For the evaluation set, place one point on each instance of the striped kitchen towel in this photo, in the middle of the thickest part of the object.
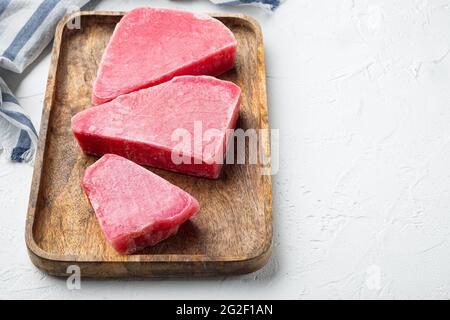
(17, 132)
(268, 4)
(26, 28)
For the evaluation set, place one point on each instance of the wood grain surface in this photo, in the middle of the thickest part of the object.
(233, 231)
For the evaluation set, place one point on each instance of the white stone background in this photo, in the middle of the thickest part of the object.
(360, 91)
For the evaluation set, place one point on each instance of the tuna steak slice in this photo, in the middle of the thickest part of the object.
(180, 125)
(150, 46)
(135, 208)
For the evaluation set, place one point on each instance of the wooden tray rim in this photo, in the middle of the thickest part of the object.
(41, 258)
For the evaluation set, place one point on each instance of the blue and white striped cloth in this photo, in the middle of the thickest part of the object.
(26, 28)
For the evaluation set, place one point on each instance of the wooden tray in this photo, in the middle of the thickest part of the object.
(232, 234)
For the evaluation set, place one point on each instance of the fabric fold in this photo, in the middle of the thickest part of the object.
(26, 28)
(17, 133)
(266, 4)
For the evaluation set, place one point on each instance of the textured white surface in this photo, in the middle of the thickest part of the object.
(360, 91)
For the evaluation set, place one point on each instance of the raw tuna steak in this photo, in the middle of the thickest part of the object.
(179, 125)
(150, 46)
(135, 207)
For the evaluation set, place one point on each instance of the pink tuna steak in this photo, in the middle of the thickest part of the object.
(150, 46)
(181, 125)
(135, 207)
